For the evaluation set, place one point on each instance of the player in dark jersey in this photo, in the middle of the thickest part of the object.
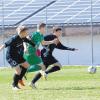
(14, 54)
(46, 53)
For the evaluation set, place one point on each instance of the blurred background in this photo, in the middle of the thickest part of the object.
(79, 20)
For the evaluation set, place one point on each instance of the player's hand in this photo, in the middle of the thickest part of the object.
(1, 47)
(56, 41)
(74, 49)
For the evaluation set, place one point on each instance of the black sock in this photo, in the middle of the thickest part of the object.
(23, 71)
(53, 69)
(36, 78)
(15, 80)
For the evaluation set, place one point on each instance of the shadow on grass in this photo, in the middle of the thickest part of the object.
(73, 88)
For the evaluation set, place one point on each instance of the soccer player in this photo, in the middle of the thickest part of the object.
(14, 54)
(46, 53)
(31, 57)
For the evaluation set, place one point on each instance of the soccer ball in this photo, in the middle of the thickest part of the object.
(92, 69)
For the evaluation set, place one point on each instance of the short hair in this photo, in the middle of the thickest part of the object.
(41, 25)
(55, 29)
(21, 29)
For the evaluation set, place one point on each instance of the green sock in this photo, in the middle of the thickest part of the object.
(34, 68)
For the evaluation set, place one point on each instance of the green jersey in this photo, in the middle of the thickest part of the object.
(36, 38)
(31, 56)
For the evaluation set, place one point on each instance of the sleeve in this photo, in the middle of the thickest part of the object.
(29, 41)
(49, 37)
(9, 42)
(62, 47)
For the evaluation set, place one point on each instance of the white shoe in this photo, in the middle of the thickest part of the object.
(32, 85)
(16, 88)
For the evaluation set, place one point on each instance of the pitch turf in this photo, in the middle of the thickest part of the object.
(71, 83)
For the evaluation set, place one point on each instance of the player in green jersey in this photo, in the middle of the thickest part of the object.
(30, 52)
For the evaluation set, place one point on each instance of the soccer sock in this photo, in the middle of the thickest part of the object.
(23, 71)
(53, 69)
(15, 80)
(36, 78)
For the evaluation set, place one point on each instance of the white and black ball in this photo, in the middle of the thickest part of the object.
(92, 69)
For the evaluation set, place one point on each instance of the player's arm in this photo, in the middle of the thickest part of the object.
(28, 40)
(62, 47)
(49, 42)
(46, 42)
(6, 44)
(11, 41)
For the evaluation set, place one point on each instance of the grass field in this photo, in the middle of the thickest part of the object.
(71, 83)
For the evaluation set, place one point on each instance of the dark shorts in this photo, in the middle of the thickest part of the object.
(15, 60)
(49, 60)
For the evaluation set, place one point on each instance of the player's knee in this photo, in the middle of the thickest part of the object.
(59, 65)
(17, 70)
(42, 66)
(25, 65)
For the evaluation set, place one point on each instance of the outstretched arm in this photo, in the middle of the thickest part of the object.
(62, 47)
(49, 42)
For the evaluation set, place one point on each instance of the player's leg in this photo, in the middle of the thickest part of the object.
(42, 71)
(34, 60)
(23, 67)
(56, 67)
(33, 68)
(47, 61)
(23, 71)
(52, 61)
(16, 78)
(36, 78)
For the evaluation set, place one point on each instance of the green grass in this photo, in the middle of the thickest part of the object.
(71, 83)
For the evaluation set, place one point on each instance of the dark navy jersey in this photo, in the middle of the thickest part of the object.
(48, 49)
(15, 45)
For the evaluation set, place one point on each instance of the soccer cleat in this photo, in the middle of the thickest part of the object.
(32, 85)
(15, 88)
(21, 82)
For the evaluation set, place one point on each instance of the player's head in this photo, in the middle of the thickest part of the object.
(22, 31)
(57, 31)
(42, 28)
